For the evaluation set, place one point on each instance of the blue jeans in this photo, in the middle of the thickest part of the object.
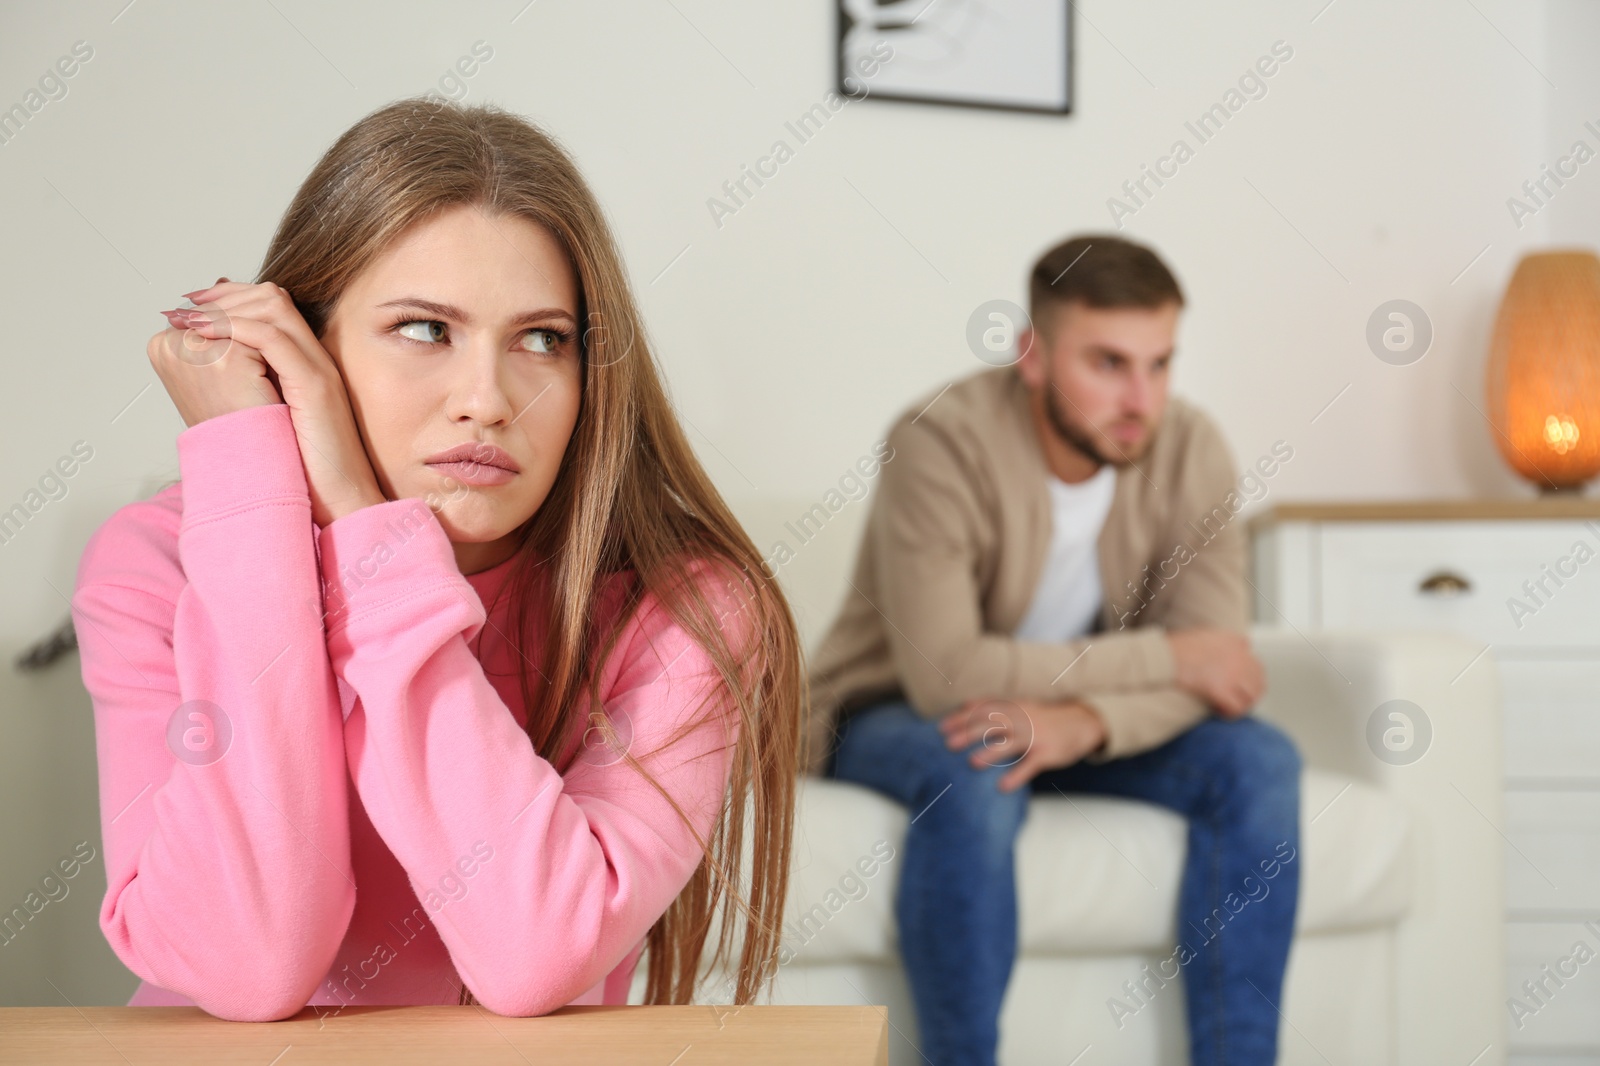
(1237, 782)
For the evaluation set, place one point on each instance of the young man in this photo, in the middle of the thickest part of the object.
(1050, 594)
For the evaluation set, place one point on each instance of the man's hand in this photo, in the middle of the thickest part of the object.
(1217, 666)
(1027, 735)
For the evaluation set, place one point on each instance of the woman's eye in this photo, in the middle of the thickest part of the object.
(427, 326)
(427, 331)
(545, 339)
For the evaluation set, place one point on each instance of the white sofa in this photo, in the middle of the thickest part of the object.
(1398, 958)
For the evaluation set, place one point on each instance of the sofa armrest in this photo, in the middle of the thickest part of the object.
(1323, 687)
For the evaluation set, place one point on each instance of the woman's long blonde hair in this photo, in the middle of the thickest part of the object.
(630, 502)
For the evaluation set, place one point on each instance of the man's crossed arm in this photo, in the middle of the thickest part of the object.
(1212, 666)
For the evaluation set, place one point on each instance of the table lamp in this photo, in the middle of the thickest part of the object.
(1543, 379)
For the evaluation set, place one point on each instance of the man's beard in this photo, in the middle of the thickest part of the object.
(1077, 437)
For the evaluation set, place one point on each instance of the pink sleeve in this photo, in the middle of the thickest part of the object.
(221, 759)
(540, 885)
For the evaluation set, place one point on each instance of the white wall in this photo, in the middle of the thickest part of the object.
(1376, 167)
(1573, 32)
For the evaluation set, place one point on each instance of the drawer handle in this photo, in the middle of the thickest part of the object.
(1444, 583)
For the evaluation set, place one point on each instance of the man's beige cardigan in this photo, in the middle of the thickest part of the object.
(955, 542)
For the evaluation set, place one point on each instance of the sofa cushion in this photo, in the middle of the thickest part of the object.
(1095, 874)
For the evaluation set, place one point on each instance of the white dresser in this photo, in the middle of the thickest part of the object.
(1522, 578)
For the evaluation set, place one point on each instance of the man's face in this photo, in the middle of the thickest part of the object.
(1102, 373)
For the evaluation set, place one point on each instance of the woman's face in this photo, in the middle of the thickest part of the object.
(464, 333)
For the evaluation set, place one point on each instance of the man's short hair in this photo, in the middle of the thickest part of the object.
(1101, 271)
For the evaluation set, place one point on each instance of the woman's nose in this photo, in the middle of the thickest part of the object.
(478, 391)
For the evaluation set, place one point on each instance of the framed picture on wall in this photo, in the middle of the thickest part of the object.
(1013, 54)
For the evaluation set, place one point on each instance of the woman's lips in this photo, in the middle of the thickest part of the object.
(469, 473)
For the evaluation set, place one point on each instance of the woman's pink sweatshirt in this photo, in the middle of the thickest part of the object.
(315, 786)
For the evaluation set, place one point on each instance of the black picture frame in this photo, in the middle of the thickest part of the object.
(844, 23)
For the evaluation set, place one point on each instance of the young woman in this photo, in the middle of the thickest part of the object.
(443, 674)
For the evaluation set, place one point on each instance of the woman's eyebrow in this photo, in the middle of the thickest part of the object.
(455, 314)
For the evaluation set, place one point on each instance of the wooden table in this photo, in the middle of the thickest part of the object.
(649, 1035)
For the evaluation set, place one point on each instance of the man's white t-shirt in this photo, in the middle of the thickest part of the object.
(1067, 599)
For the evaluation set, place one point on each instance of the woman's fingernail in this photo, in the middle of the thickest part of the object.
(208, 288)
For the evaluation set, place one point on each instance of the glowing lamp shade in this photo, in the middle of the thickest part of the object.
(1543, 378)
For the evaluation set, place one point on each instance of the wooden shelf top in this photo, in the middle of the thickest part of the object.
(581, 1036)
(1427, 510)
